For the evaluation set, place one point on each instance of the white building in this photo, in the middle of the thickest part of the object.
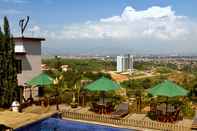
(124, 63)
(28, 55)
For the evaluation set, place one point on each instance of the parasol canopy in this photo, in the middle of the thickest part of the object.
(168, 89)
(103, 84)
(41, 80)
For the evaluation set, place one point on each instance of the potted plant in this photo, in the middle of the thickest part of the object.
(74, 104)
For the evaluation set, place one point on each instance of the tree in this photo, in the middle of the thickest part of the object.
(72, 80)
(8, 72)
(146, 83)
(135, 88)
(94, 76)
(58, 63)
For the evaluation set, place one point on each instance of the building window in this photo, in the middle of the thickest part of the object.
(19, 66)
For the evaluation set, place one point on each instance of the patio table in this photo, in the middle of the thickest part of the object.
(102, 107)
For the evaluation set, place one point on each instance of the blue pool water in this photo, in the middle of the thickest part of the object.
(55, 124)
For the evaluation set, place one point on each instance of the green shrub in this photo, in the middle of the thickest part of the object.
(151, 115)
(163, 70)
(187, 111)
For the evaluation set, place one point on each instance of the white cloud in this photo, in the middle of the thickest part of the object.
(130, 14)
(35, 29)
(31, 31)
(155, 22)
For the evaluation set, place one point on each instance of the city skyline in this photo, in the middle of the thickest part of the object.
(107, 27)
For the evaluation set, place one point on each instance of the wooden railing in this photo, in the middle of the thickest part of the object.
(125, 122)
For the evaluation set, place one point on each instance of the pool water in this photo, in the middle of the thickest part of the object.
(55, 124)
(64, 125)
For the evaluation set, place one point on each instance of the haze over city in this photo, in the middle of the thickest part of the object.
(100, 27)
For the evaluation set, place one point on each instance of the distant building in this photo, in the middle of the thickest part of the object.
(44, 67)
(28, 55)
(124, 63)
(64, 68)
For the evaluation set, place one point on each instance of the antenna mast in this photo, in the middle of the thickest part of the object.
(23, 24)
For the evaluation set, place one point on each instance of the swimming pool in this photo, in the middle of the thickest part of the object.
(55, 124)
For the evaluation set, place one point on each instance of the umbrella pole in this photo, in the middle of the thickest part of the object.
(166, 105)
(30, 92)
(57, 103)
(103, 103)
(103, 96)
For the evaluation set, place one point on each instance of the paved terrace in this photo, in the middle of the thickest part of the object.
(85, 110)
(15, 120)
(34, 113)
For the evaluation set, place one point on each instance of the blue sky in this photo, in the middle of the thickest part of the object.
(89, 26)
(74, 11)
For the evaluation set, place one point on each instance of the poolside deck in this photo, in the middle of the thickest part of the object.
(85, 110)
(15, 120)
(40, 110)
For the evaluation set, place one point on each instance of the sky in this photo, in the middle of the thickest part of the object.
(106, 27)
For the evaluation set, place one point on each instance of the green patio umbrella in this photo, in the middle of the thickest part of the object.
(104, 85)
(41, 80)
(169, 89)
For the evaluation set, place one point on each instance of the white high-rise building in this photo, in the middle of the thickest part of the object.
(124, 63)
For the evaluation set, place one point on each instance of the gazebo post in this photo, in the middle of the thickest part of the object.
(57, 103)
(103, 96)
(30, 95)
(56, 82)
(167, 105)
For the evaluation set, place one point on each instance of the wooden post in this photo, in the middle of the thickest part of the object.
(57, 103)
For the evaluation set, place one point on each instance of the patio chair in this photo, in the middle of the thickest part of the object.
(52, 100)
(95, 107)
(122, 111)
(168, 117)
(159, 115)
(153, 107)
(109, 107)
(176, 114)
(102, 109)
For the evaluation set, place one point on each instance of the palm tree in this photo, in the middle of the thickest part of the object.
(137, 90)
(72, 79)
